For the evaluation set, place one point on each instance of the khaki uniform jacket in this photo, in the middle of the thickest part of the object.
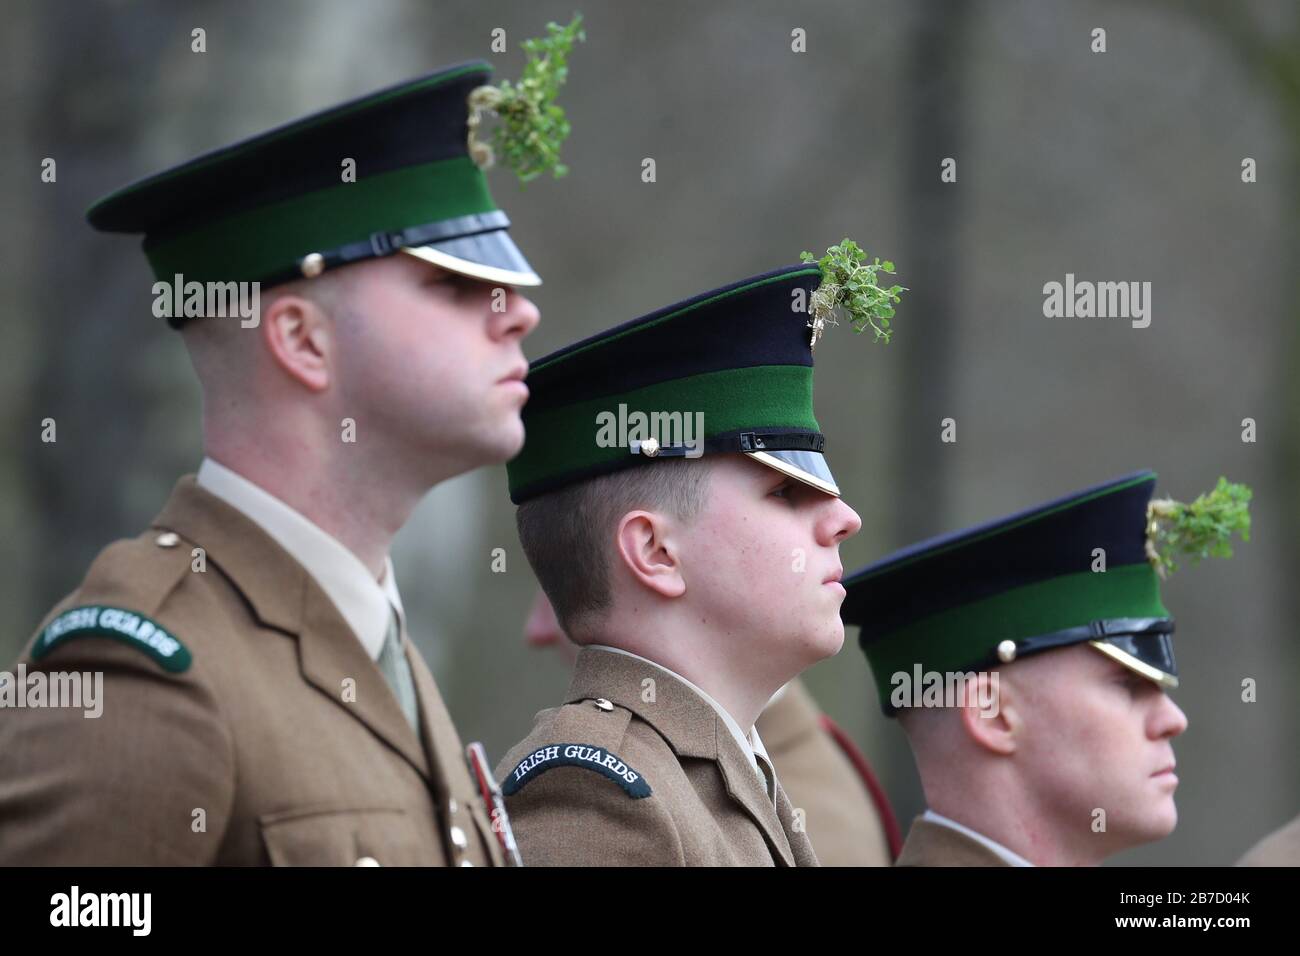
(933, 844)
(281, 743)
(844, 823)
(610, 778)
(1279, 848)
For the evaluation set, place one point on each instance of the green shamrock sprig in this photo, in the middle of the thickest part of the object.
(1202, 529)
(849, 283)
(532, 125)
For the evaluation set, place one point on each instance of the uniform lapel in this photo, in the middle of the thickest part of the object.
(441, 742)
(285, 597)
(330, 654)
(687, 722)
(743, 786)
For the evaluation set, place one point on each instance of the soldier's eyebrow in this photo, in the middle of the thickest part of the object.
(460, 281)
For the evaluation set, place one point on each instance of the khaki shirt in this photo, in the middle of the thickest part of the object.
(634, 773)
(280, 743)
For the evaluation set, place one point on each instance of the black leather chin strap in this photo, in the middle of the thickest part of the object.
(746, 442)
(386, 243)
(1095, 631)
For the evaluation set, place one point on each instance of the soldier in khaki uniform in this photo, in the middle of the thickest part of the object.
(849, 818)
(697, 567)
(1028, 661)
(262, 702)
(680, 787)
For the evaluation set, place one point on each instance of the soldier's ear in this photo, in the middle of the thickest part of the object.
(990, 714)
(644, 545)
(299, 337)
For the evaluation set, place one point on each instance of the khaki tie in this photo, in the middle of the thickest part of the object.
(397, 671)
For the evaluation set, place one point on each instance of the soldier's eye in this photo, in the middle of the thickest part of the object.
(1133, 683)
(783, 490)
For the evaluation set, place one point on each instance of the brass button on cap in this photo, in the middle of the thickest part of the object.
(603, 704)
(168, 539)
(312, 265)
(366, 861)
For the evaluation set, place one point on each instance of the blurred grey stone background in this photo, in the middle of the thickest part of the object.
(1123, 165)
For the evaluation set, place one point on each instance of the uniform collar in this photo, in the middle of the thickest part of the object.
(750, 744)
(283, 596)
(1012, 858)
(366, 604)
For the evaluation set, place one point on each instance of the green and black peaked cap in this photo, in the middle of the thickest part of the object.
(739, 355)
(1020, 585)
(275, 207)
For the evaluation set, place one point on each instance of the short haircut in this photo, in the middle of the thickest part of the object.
(209, 340)
(568, 538)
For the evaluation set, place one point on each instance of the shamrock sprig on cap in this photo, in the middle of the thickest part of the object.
(849, 283)
(1201, 529)
(532, 125)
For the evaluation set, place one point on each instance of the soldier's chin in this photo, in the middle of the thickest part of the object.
(828, 639)
(1169, 819)
(509, 440)
(1159, 823)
